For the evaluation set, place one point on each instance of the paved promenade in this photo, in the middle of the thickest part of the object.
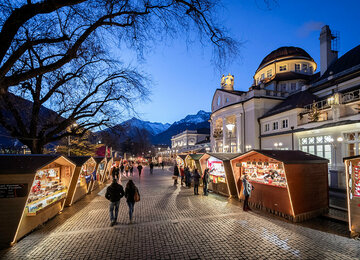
(172, 223)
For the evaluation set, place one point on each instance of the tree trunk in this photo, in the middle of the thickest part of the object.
(35, 146)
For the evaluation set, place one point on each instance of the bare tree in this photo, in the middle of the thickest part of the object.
(54, 53)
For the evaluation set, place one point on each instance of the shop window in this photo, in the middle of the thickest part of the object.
(267, 127)
(319, 145)
(217, 171)
(285, 123)
(269, 73)
(297, 67)
(282, 68)
(275, 125)
(271, 173)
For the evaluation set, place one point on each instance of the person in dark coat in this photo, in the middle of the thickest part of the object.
(176, 174)
(151, 167)
(182, 175)
(131, 169)
(162, 165)
(122, 167)
(247, 188)
(139, 169)
(130, 197)
(187, 177)
(115, 172)
(205, 179)
(196, 177)
(114, 193)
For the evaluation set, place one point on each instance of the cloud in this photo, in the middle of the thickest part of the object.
(309, 27)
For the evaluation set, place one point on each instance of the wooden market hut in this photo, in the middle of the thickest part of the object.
(352, 168)
(79, 187)
(33, 189)
(292, 184)
(99, 171)
(107, 174)
(180, 160)
(221, 176)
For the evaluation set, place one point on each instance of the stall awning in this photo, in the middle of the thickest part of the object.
(22, 164)
(224, 156)
(182, 156)
(99, 159)
(196, 156)
(289, 156)
(79, 160)
(351, 157)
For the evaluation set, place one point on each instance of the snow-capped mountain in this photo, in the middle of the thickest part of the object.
(200, 117)
(153, 128)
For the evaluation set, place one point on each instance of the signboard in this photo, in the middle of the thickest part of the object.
(13, 190)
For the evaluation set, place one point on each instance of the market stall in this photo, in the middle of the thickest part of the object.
(352, 167)
(180, 161)
(192, 161)
(79, 187)
(221, 177)
(292, 184)
(99, 172)
(33, 189)
(107, 174)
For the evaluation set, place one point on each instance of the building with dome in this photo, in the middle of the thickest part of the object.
(291, 106)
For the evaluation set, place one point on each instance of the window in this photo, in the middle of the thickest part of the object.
(275, 125)
(293, 86)
(311, 69)
(352, 141)
(282, 68)
(297, 67)
(283, 87)
(267, 127)
(305, 67)
(218, 100)
(285, 123)
(319, 145)
(226, 100)
(262, 76)
(269, 73)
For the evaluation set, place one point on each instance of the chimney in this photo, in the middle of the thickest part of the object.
(327, 54)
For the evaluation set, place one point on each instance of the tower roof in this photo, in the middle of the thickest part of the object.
(284, 52)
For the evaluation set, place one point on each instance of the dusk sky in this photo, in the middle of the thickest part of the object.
(185, 80)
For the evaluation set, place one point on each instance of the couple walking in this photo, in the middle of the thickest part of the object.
(115, 192)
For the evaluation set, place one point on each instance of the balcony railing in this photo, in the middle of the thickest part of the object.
(351, 96)
(319, 105)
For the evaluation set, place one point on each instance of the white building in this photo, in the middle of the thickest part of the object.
(290, 107)
(190, 140)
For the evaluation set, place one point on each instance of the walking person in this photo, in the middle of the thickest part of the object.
(122, 168)
(162, 165)
(114, 193)
(115, 172)
(247, 191)
(176, 174)
(132, 195)
(196, 177)
(187, 177)
(182, 175)
(127, 168)
(151, 167)
(139, 169)
(131, 169)
(205, 179)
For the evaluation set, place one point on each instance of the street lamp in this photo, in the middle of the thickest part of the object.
(230, 127)
(278, 145)
(248, 147)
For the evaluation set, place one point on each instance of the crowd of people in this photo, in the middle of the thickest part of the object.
(187, 177)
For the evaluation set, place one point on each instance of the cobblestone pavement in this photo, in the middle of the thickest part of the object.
(172, 223)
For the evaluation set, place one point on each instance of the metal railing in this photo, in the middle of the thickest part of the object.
(322, 104)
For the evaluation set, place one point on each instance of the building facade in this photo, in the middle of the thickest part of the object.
(190, 140)
(290, 107)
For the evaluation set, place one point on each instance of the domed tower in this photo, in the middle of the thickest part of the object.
(285, 69)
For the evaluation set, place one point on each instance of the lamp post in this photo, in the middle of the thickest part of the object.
(292, 138)
(230, 127)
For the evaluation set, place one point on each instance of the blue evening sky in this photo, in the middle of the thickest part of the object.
(185, 80)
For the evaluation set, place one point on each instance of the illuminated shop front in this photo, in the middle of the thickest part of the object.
(98, 173)
(85, 167)
(221, 176)
(352, 168)
(106, 175)
(33, 190)
(192, 161)
(292, 184)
